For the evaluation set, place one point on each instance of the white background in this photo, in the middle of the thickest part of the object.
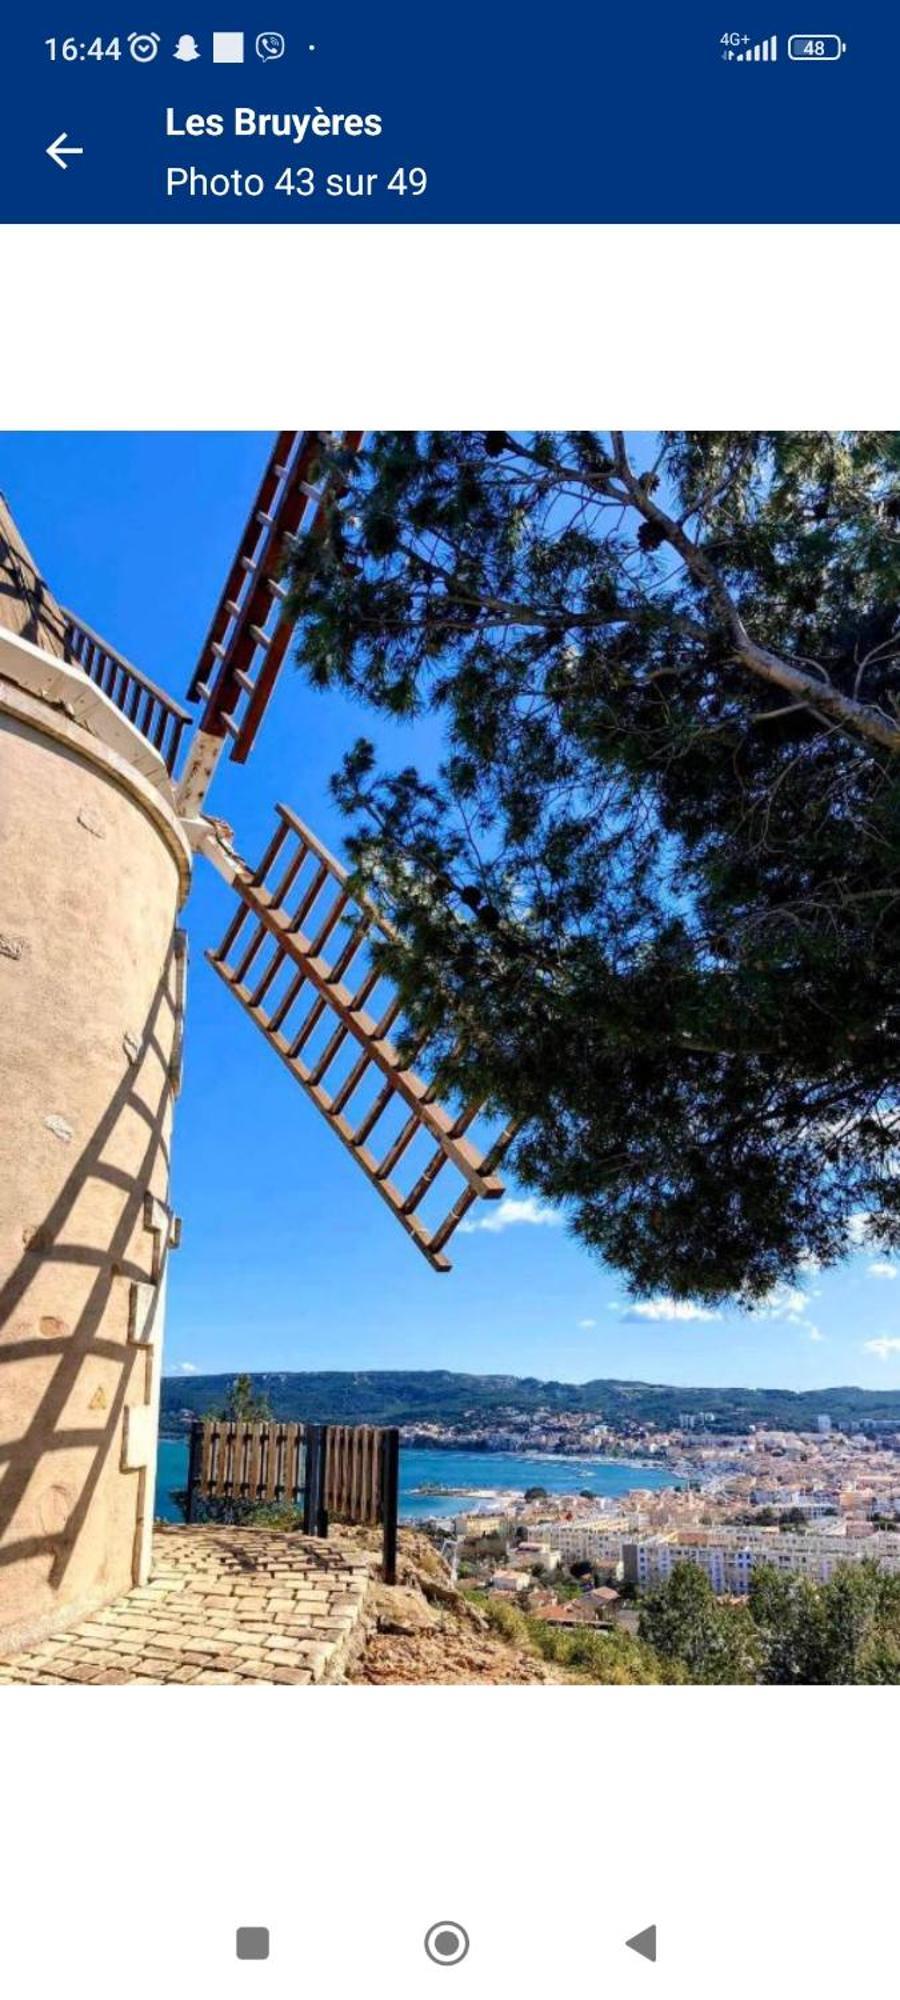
(256, 326)
(753, 1827)
(139, 1826)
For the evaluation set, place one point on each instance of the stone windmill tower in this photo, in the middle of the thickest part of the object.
(99, 829)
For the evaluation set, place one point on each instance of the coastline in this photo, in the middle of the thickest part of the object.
(487, 1482)
(591, 1458)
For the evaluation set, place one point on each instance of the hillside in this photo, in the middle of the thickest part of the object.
(408, 1397)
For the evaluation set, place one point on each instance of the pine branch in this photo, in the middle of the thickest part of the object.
(857, 718)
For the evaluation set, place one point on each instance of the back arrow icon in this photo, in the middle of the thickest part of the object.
(58, 148)
(644, 1943)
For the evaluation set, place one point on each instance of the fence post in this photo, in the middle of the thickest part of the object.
(322, 1483)
(310, 1476)
(315, 1519)
(193, 1467)
(390, 1477)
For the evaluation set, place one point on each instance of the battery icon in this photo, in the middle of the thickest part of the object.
(816, 48)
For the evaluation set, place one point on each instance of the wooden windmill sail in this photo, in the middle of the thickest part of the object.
(298, 952)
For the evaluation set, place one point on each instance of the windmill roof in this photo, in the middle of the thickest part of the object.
(27, 604)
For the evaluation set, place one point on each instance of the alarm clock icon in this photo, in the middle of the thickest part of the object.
(143, 48)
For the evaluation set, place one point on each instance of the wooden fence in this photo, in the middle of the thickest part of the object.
(333, 1472)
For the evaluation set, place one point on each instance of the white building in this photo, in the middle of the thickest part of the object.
(589, 1540)
(729, 1557)
(510, 1582)
(534, 1554)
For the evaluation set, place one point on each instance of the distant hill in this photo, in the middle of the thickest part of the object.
(388, 1396)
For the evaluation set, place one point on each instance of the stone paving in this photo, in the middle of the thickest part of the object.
(224, 1606)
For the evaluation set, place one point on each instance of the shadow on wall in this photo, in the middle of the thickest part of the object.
(44, 1432)
(27, 607)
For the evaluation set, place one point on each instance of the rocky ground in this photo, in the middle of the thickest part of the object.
(423, 1631)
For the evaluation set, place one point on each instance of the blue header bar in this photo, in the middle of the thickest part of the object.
(476, 113)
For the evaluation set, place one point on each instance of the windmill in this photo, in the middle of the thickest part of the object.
(105, 787)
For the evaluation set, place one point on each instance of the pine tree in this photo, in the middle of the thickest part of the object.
(648, 892)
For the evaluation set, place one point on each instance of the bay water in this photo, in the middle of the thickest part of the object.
(478, 1479)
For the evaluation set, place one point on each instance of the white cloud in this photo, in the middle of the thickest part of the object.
(783, 1302)
(668, 1309)
(184, 1368)
(509, 1212)
(587, 1322)
(789, 1305)
(858, 1227)
(882, 1269)
(883, 1347)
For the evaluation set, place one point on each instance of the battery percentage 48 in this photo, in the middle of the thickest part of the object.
(816, 48)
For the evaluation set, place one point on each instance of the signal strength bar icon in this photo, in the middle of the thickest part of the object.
(766, 51)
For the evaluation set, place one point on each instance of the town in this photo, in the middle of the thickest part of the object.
(800, 1502)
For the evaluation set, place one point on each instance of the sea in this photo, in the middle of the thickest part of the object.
(486, 1477)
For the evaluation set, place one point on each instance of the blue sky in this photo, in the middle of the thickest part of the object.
(289, 1260)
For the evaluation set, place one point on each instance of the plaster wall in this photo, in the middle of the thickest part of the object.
(92, 870)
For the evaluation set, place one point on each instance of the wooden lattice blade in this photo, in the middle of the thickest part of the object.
(251, 627)
(300, 956)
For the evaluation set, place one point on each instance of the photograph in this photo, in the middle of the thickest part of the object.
(450, 1058)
